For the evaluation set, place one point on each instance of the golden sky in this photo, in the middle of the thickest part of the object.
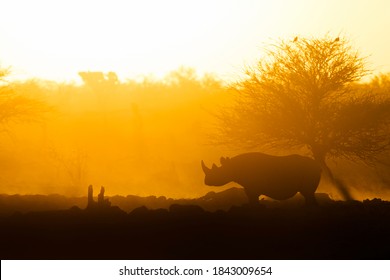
(54, 39)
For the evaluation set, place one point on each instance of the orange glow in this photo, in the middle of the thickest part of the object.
(133, 138)
(146, 132)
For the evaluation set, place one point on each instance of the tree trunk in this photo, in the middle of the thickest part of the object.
(341, 187)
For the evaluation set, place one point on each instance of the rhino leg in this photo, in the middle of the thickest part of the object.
(310, 199)
(252, 197)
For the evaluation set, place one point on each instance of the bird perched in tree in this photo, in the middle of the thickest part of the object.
(295, 39)
(337, 39)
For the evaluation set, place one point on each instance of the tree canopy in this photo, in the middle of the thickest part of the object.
(305, 94)
(15, 107)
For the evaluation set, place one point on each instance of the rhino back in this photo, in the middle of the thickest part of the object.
(278, 177)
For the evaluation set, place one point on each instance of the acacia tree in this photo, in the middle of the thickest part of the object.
(304, 95)
(16, 107)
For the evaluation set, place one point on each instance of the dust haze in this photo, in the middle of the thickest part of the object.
(143, 137)
(134, 137)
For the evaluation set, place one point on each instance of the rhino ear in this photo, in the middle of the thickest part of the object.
(224, 160)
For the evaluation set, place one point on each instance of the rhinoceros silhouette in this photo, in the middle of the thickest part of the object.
(278, 177)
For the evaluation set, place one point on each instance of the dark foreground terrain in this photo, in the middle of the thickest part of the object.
(334, 230)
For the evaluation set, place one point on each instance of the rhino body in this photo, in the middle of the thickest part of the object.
(278, 177)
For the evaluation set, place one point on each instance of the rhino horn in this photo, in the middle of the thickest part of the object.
(205, 168)
(214, 167)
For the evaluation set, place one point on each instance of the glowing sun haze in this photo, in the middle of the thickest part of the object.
(56, 39)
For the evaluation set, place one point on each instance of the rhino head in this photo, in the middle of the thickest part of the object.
(217, 176)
